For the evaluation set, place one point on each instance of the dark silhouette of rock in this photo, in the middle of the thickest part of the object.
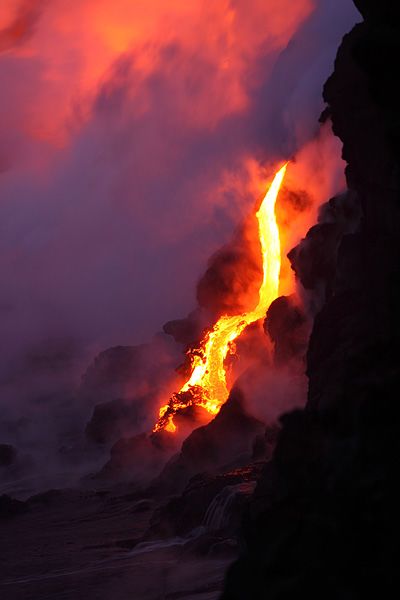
(187, 331)
(193, 508)
(111, 372)
(314, 259)
(139, 458)
(227, 441)
(229, 435)
(10, 507)
(8, 455)
(49, 497)
(323, 520)
(112, 420)
(382, 11)
(127, 372)
(264, 445)
(125, 384)
(232, 280)
(288, 328)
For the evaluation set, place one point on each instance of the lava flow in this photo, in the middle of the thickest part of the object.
(207, 385)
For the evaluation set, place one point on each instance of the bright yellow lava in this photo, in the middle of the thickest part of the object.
(207, 384)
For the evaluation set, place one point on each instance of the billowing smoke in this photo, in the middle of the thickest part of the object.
(135, 138)
(21, 25)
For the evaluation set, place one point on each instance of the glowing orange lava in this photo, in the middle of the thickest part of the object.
(207, 385)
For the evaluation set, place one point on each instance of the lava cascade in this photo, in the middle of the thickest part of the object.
(207, 386)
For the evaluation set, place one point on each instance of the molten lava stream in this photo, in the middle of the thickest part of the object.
(207, 385)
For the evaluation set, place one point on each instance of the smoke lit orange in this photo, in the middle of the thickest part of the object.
(207, 385)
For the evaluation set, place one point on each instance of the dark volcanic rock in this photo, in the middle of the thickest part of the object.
(10, 507)
(232, 280)
(124, 385)
(264, 445)
(129, 372)
(228, 436)
(194, 508)
(384, 10)
(322, 512)
(323, 520)
(288, 328)
(139, 458)
(111, 420)
(112, 371)
(187, 331)
(314, 259)
(227, 440)
(8, 455)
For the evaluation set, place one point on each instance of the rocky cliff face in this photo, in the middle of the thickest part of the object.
(322, 519)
